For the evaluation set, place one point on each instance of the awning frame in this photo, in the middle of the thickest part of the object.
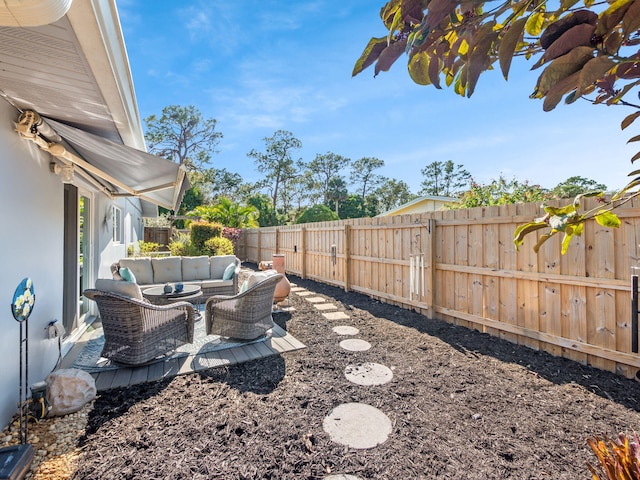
(31, 126)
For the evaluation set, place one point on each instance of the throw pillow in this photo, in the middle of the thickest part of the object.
(244, 286)
(229, 271)
(127, 275)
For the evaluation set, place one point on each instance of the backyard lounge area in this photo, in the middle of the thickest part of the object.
(462, 404)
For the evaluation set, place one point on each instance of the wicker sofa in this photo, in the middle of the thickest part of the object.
(206, 272)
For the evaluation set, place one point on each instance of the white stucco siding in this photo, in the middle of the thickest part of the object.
(31, 245)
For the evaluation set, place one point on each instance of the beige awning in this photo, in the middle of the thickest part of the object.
(123, 170)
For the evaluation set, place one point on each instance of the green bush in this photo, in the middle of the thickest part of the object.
(148, 247)
(317, 213)
(203, 231)
(144, 248)
(218, 246)
(179, 249)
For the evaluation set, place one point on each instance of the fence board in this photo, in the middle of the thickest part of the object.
(576, 305)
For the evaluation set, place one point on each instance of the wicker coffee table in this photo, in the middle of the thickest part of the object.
(157, 296)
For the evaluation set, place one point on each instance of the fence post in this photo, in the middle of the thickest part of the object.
(634, 313)
(430, 268)
(347, 256)
(259, 245)
(276, 242)
(303, 252)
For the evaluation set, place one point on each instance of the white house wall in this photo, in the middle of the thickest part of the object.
(32, 246)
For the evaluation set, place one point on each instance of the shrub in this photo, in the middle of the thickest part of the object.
(148, 247)
(144, 248)
(218, 246)
(203, 231)
(317, 213)
(232, 234)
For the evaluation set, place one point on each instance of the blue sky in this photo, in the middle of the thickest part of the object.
(257, 67)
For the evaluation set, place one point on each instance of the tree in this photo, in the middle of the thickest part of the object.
(573, 186)
(277, 162)
(363, 176)
(392, 193)
(267, 216)
(182, 135)
(589, 53)
(228, 213)
(337, 192)
(317, 213)
(325, 168)
(500, 191)
(444, 179)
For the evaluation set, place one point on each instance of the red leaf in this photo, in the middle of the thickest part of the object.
(389, 55)
(509, 43)
(438, 10)
(576, 36)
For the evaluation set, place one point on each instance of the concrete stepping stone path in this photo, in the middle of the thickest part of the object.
(304, 293)
(345, 330)
(357, 425)
(355, 345)
(325, 306)
(316, 299)
(368, 374)
(335, 316)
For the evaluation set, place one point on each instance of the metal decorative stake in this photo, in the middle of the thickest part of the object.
(21, 307)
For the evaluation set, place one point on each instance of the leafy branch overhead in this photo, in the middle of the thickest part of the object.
(586, 50)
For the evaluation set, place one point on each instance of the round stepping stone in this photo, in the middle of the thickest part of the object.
(355, 345)
(368, 374)
(341, 476)
(357, 425)
(346, 330)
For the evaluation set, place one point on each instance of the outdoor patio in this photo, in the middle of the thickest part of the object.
(461, 404)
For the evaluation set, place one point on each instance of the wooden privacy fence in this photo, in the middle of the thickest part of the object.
(461, 266)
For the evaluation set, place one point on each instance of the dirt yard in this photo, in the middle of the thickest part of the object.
(463, 405)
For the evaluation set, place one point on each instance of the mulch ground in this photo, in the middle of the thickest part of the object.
(463, 404)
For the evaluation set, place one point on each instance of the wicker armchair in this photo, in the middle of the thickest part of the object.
(246, 315)
(136, 331)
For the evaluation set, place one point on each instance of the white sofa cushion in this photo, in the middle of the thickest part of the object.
(258, 277)
(128, 289)
(218, 265)
(167, 269)
(195, 268)
(215, 283)
(140, 267)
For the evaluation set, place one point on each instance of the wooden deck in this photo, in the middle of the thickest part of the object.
(280, 342)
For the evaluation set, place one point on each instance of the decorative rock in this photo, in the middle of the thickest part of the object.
(345, 330)
(357, 425)
(368, 374)
(355, 345)
(68, 390)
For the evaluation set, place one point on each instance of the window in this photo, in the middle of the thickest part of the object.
(116, 217)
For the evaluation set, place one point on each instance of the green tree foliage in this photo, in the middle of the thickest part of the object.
(392, 193)
(587, 52)
(355, 207)
(337, 192)
(574, 186)
(444, 179)
(324, 169)
(277, 163)
(182, 134)
(227, 213)
(267, 215)
(317, 213)
(363, 175)
(500, 191)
